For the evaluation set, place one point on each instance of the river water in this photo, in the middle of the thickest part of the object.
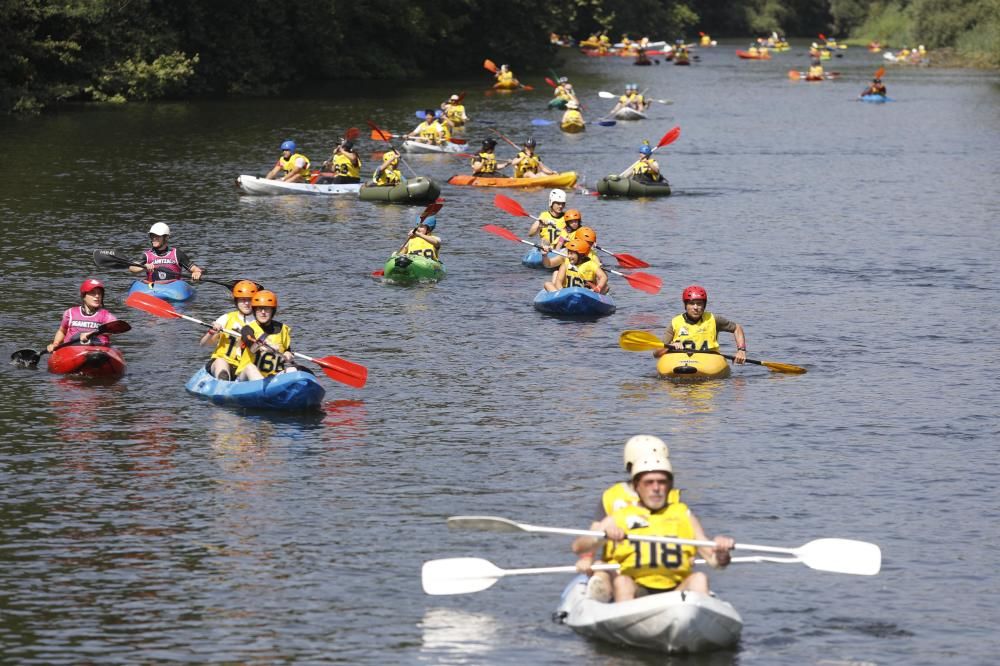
(140, 524)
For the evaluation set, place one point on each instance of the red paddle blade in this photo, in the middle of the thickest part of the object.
(343, 371)
(822, 36)
(500, 231)
(116, 326)
(432, 209)
(879, 72)
(152, 305)
(551, 82)
(352, 133)
(379, 273)
(526, 87)
(489, 64)
(460, 142)
(669, 137)
(507, 204)
(645, 282)
(629, 261)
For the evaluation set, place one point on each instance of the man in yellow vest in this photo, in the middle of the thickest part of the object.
(698, 330)
(294, 164)
(652, 568)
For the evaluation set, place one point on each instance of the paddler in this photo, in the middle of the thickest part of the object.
(572, 116)
(455, 111)
(294, 164)
(443, 125)
(574, 229)
(485, 162)
(652, 568)
(345, 163)
(618, 496)
(527, 164)
(388, 172)
(815, 72)
(79, 322)
(427, 131)
(268, 341)
(646, 169)
(162, 262)
(228, 349)
(698, 330)
(564, 90)
(505, 78)
(579, 271)
(421, 239)
(876, 88)
(551, 222)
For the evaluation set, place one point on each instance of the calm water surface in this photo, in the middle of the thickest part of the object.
(140, 524)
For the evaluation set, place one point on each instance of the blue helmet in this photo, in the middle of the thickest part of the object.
(646, 150)
(288, 145)
(430, 221)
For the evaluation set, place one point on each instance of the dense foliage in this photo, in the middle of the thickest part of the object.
(119, 50)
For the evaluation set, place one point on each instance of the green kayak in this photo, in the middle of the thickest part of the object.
(557, 103)
(614, 186)
(411, 268)
(417, 190)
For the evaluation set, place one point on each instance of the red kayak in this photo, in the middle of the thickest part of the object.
(90, 360)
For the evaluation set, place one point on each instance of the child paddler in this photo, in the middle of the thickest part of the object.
(267, 341)
(428, 131)
(79, 322)
(579, 271)
(421, 240)
(388, 172)
(229, 348)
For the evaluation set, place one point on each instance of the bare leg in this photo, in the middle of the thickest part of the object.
(624, 587)
(251, 373)
(696, 582)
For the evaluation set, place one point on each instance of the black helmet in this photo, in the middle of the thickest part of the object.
(348, 145)
(530, 143)
(877, 81)
(489, 143)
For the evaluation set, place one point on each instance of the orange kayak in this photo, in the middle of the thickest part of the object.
(564, 179)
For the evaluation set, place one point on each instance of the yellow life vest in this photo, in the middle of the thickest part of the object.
(229, 347)
(643, 169)
(505, 77)
(288, 165)
(552, 228)
(343, 166)
(636, 99)
(389, 176)
(488, 164)
(455, 113)
(266, 360)
(525, 164)
(418, 245)
(700, 336)
(562, 93)
(816, 71)
(583, 274)
(428, 131)
(658, 566)
(622, 495)
(443, 132)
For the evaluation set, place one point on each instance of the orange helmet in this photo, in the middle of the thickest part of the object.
(244, 289)
(579, 246)
(264, 299)
(587, 234)
(572, 214)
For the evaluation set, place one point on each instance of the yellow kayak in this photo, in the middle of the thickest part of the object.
(572, 128)
(687, 367)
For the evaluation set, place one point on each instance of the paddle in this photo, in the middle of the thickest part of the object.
(511, 206)
(879, 73)
(541, 122)
(334, 367)
(641, 281)
(846, 556)
(462, 575)
(29, 358)
(610, 95)
(667, 139)
(432, 209)
(644, 341)
(381, 135)
(491, 66)
(113, 259)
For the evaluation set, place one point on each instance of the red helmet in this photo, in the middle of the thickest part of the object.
(694, 292)
(90, 285)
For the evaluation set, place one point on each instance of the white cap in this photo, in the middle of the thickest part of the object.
(160, 229)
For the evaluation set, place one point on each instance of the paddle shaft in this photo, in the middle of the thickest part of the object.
(125, 262)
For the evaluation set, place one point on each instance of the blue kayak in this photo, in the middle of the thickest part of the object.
(534, 258)
(287, 391)
(171, 290)
(875, 99)
(574, 302)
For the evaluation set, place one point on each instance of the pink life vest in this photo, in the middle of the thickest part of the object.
(75, 322)
(167, 262)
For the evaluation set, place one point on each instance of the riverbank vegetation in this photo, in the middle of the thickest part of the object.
(113, 51)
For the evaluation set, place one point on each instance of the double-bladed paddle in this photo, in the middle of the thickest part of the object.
(846, 556)
(645, 341)
(610, 95)
(491, 66)
(115, 259)
(672, 135)
(29, 358)
(541, 122)
(379, 134)
(511, 206)
(334, 367)
(641, 281)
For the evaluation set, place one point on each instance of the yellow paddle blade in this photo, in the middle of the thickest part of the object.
(639, 341)
(783, 367)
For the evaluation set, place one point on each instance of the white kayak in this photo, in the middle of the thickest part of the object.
(411, 146)
(666, 622)
(658, 46)
(628, 113)
(257, 185)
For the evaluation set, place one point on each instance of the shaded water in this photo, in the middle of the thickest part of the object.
(141, 524)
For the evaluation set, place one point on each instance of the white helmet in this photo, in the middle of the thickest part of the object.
(641, 447)
(160, 229)
(656, 462)
(557, 196)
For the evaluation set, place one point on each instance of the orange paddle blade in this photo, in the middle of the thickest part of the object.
(527, 87)
(879, 72)
(152, 305)
(489, 64)
(551, 82)
(500, 231)
(507, 204)
(792, 74)
(380, 135)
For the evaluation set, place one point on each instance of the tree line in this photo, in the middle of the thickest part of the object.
(113, 51)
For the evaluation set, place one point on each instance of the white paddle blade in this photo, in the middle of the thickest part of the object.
(486, 523)
(458, 575)
(848, 556)
(606, 95)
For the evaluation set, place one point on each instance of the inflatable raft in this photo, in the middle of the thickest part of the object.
(574, 302)
(615, 186)
(689, 367)
(411, 268)
(417, 190)
(176, 291)
(89, 360)
(287, 391)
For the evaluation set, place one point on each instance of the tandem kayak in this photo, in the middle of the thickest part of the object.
(263, 186)
(564, 179)
(534, 258)
(616, 186)
(176, 291)
(288, 391)
(411, 146)
(689, 367)
(411, 268)
(667, 622)
(628, 113)
(875, 99)
(90, 360)
(417, 190)
(574, 302)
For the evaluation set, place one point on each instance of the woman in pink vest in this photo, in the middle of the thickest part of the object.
(80, 322)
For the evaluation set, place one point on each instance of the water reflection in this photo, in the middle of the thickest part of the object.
(457, 637)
